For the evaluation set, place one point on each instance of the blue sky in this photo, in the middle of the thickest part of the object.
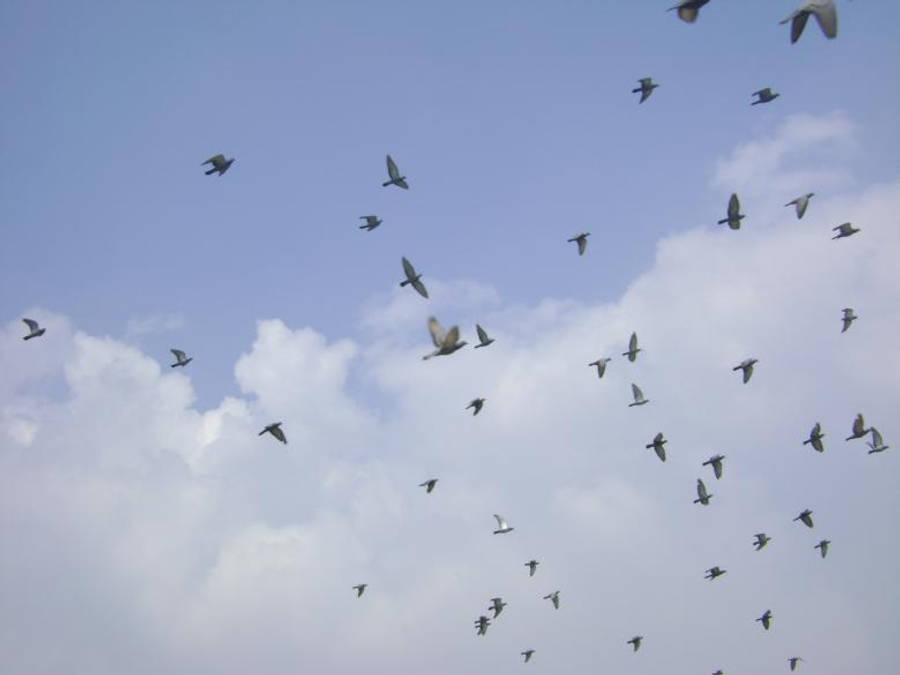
(516, 127)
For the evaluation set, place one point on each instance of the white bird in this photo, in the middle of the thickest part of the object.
(483, 339)
(497, 606)
(554, 598)
(733, 215)
(446, 342)
(800, 204)
(747, 366)
(360, 589)
(658, 446)
(646, 88)
(429, 485)
(638, 396)
(716, 463)
(703, 496)
(601, 365)
(849, 317)
(413, 279)
(34, 330)
(636, 642)
(825, 13)
(823, 547)
(581, 240)
(371, 222)
(502, 526)
(219, 164)
(688, 10)
(844, 230)
(633, 348)
(394, 175)
(761, 540)
(180, 358)
(815, 438)
(877, 442)
(275, 430)
(859, 428)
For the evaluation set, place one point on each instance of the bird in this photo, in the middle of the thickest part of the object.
(815, 438)
(554, 598)
(446, 342)
(532, 567)
(275, 430)
(483, 339)
(636, 642)
(800, 204)
(360, 589)
(703, 496)
(482, 622)
(765, 95)
(688, 10)
(413, 279)
(497, 606)
(646, 88)
(844, 230)
(658, 446)
(502, 526)
(859, 428)
(877, 442)
(527, 654)
(823, 547)
(849, 317)
(429, 485)
(719, 672)
(476, 403)
(180, 358)
(581, 240)
(716, 463)
(747, 366)
(714, 572)
(394, 175)
(633, 348)
(371, 222)
(825, 13)
(766, 619)
(761, 540)
(805, 517)
(34, 330)
(734, 215)
(219, 164)
(793, 661)
(601, 365)
(638, 396)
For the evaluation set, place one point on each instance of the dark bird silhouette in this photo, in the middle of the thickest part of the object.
(219, 164)
(394, 175)
(275, 430)
(34, 330)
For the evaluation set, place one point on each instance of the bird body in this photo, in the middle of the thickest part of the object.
(483, 339)
(478, 404)
(446, 342)
(34, 330)
(733, 214)
(800, 204)
(848, 318)
(714, 572)
(527, 654)
(646, 88)
(633, 348)
(275, 430)
(805, 517)
(371, 222)
(877, 442)
(823, 547)
(766, 619)
(761, 540)
(703, 496)
(502, 526)
(394, 175)
(826, 16)
(180, 359)
(360, 589)
(859, 428)
(429, 485)
(532, 567)
(793, 661)
(815, 438)
(601, 365)
(716, 463)
(765, 95)
(554, 598)
(219, 164)
(636, 642)
(482, 622)
(581, 240)
(638, 396)
(844, 230)
(747, 367)
(413, 279)
(658, 446)
(497, 606)
(688, 10)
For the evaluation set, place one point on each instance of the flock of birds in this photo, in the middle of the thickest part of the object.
(447, 342)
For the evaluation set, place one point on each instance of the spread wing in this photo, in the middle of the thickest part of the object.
(420, 287)
(877, 440)
(826, 15)
(734, 205)
(392, 169)
(636, 392)
(482, 335)
(451, 338)
(408, 269)
(501, 522)
(179, 355)
(437, 332)
(582, 244)
(215, 160)
(632, 342)
(32, 324)
(279, 434)
(701, 489)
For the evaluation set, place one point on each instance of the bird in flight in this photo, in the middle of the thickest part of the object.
(527, 654)
(483, 339)
(658, 446)
(371, 222)
(413, 279)
(532, 567)
(601, 365)
(765, 95)
(733, 214)
(429, 485)
(636, 642)
(502, 526)
(34, 330)
(761, 540)
(823, 547)
(859, 428)
(219, 164)
(703, 496)
(638, 396)
(877, 442)
(180, 359)
(497, 606)
(848, 318)
(646, 88)
(633, 348)
(844, 230)
(688, 10)
(275, 430)
(793, 661)
(360, 589)
(805, 517)
(747, 366)
(716, 463)
(826, 15)
(482, 622)
(766, 619)
(581, 240)
(394, 175)
(815, 438)
(446, 342)
(478, 404)
(714, 572)
(800, 204)
(554, 598)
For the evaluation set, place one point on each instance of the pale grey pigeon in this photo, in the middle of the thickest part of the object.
(497, 606)
(849, 317)
(371, 222)
(601, 365)
(502, 526)
(413, 279)
(219, 164)
(532, 567)
(633, 348)
(180, 358)
(34, 330)
(638, 396)
(658, 446)
(877, 442)
(703, 496)
(716, 463)
(688, 10)
(734, 215)
(825, 13)
(800, 204)
(394, 175)
(646, 88)
(446, 342)
(747, 366)
(765, 95)
(859, 428)
(823, 547)
(483, 339)
(581, 240)
(844, 230)
(275, 430)
(815, 438)
(554, 598)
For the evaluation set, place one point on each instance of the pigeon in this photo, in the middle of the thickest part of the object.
(497, 606)
(766, 619)
(476, 403)
(849, 317)
(794, 660)
(275, 430)
(646, 88)
(714, 572)
(482, 622)
(765, 95)
(360, 589)
(716, 463)
(483, 339)
(638, 396)
(823, 547)
(532, 567)
(527, 654)
(581, 240)
(446, 342)
(371, 222)
(805, 517)
(825, 13)
(859, 428)
(703, 496)
(747, 366)
(844, 230)
(394, 175)
(688, 10)
(413, 279)
(34, 329)
(502, 526)
(429, 485)
(761, 540)
(219, 164)
(877, 442)
(554, 598)
(180, 358)
(734, 214)
(635, 642)
(719, 672)
(601, 365)
(658, 446)
(815, 438)
(633, 348)
(800, 204)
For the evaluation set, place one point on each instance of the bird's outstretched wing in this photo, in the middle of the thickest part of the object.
(437, 332)
(392, 169)
(482, 335)
(408, 269)
(451, 338)
(32, 324)
(215, 160)
(179, 355)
